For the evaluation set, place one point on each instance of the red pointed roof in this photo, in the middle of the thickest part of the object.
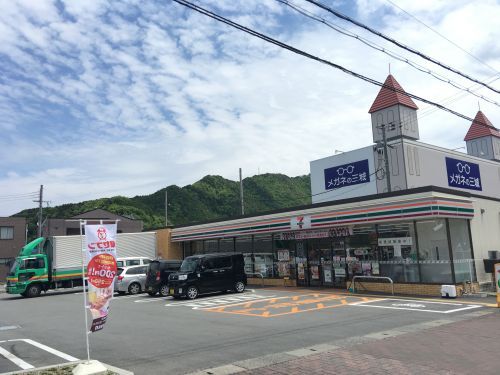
(391, 94)
(481, 127)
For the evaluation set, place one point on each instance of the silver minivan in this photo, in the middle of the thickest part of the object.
(131, 279)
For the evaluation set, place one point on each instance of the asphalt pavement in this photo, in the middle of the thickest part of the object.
(242, 332)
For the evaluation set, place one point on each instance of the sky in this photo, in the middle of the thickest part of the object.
(106, 98)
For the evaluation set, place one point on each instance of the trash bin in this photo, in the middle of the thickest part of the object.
(448, 291)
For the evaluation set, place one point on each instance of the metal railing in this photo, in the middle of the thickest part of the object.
(371, 277)
(257, 274)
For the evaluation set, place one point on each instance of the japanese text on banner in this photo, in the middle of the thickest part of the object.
(100, 246)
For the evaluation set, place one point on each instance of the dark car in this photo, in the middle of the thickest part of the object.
(208, 273)
(157, 275)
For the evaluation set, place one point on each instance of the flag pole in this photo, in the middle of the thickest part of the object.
(82, 223)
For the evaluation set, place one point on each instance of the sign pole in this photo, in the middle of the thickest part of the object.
(82, 223)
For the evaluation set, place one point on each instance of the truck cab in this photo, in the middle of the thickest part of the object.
(29, 272)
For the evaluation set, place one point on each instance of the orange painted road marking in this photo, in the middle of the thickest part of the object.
(289, 305)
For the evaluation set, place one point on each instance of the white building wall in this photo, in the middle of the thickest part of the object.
(321, 194)
(426, 165)
(485, 230)
(396, 165)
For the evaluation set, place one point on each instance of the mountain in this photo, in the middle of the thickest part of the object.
(213, 197)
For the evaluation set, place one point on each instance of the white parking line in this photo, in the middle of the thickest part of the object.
(221, 301)
(249, 294)
(18, 361)
(416, 305)
(128, 296)
(56, 352)
(25, 365)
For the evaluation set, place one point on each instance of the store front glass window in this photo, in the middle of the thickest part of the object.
(397, 252)
(197, 248)
(211, 246)
(339, 262)
(263, 254)
(461, 249)
(186, 249)
(226, 245)
(284, 261)
(434, 254)
(244, 246)
(361, 249)
(320, 262)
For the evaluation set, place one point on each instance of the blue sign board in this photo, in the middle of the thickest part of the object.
(463, 174)
(340, 176)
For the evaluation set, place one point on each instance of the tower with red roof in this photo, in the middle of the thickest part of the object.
(483, 139)
(394, 110)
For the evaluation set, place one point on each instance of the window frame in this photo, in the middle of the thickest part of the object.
(4, 227)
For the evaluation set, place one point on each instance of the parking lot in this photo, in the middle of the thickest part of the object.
(154, 335)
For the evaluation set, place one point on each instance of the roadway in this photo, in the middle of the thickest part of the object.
(155, 335)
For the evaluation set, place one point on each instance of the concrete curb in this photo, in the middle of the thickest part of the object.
(116, 370)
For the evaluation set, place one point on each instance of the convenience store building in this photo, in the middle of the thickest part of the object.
(433, 226)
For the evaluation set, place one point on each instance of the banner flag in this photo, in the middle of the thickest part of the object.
(100, 248)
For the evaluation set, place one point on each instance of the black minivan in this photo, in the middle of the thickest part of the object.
(208, 273)
(157, 275)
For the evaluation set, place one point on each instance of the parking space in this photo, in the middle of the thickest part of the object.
(418, 305)
(25, 354)
(290, 304)
(267, 304)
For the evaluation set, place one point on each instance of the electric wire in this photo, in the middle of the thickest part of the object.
(390, 53)
(19, 195)
(8, 198)
(451, 99)
(399, 44)
(444, 37)
(316, 58)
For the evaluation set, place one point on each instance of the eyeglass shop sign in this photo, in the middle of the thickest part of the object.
(340, 176)
(463, 174)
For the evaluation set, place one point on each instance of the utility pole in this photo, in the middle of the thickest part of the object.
(386, 160)
(166, 208)
(40, 211)
(241, 195)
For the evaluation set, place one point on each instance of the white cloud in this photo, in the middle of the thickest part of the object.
(113, 98)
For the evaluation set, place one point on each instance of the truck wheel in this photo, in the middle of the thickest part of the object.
(192, 292)
(164, 290)
(134, 288)
(239, 287)
(33, 291)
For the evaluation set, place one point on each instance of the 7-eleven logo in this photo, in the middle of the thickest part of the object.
(300, 222)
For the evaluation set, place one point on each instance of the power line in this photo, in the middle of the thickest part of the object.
(19, 195)
(390, 53)
(16, 199)
(442, 36)
(399, 44)
(313, 57)
(453, 98)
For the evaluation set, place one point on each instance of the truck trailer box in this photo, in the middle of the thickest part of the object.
(67, 250)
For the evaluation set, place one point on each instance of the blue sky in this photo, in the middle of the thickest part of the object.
(109, 98)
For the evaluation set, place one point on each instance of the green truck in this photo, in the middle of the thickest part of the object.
(56, 262)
